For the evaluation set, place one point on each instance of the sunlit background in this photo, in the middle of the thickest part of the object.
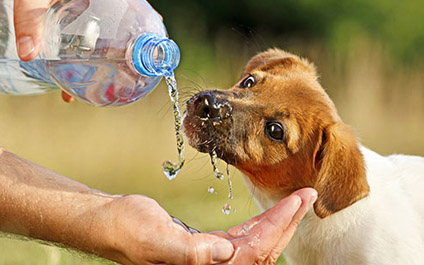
(370, 56)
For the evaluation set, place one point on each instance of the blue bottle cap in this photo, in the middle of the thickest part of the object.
(154, 55)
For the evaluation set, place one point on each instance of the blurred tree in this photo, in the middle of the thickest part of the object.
(398, 25)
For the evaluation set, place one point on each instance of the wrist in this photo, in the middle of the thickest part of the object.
(111, 235)
(39, 203)
(97, 234)
(84, 225)
(135, 222)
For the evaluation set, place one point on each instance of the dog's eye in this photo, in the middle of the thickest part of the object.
(275, 131)
(248, 82)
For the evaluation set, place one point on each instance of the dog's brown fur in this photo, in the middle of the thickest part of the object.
(318, 150)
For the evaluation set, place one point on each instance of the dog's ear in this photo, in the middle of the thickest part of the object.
(273, 57)
(341, 177)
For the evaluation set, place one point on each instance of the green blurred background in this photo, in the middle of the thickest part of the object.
(370, 56)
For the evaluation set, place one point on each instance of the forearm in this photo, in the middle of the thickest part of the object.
(39, 203)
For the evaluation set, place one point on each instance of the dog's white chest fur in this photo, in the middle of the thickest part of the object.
(387, 227)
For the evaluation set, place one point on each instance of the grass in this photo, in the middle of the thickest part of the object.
(121, 150)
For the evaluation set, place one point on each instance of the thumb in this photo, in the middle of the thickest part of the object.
(203, 249)
(29, 18)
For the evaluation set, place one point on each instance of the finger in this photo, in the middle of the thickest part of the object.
(221, 234)
(281, 212)
(29, 22)
(198, 249)
(308, 197)
(270, 232)
(265, 233)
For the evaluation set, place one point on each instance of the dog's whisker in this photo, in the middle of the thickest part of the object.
(196, 86)
(206, 141)
(166, 107)
(186, 89)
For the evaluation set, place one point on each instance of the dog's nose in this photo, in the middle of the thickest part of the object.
(208, 106)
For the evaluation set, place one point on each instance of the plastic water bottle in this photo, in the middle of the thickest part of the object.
(104, 52)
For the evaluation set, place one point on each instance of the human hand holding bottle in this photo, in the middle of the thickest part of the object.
(29, 18)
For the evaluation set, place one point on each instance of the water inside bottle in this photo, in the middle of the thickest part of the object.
(22, 78)
(171, 169)
(100, 82)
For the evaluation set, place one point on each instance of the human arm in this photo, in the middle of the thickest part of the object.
(38, 203)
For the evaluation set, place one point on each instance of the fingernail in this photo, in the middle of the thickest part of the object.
(222, 251)
(25, 46)
(297, 202)
(313, 197)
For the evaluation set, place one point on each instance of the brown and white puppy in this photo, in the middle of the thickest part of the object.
(279, 127)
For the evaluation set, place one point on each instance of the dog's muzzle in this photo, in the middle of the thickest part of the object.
(209, 106)
(208, 123)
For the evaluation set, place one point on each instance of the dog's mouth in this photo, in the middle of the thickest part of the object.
(207, 124)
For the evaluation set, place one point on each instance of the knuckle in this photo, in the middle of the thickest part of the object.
(260, 260)
(295, 223)
(191, 254)
(266, 260)
(132, 201)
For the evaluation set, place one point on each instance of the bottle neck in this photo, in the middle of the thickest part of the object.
(154, 55)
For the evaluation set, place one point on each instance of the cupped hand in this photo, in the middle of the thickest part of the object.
(142, 232)
(261, 240)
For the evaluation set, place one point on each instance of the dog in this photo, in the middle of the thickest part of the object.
(282, 131)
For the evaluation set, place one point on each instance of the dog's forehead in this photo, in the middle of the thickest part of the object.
(284, 95)
(285, 84)
(264, 58)
(276, 57)
(281, 85)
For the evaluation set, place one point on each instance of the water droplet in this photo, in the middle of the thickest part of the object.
(226, 209)
(218, 174)
(211, 190)
(254, 240)
(230, 184)
(169, 168)
(216, 123)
